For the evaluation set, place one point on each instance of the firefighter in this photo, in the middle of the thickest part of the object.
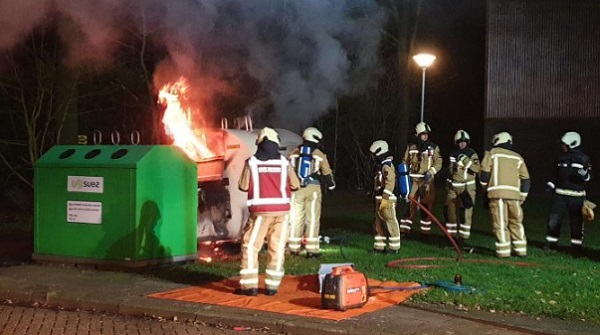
(424, 160)
(573, 171)
(505, 178)
(461, 187)
(387, 229)
(269, 179)
(312, 167)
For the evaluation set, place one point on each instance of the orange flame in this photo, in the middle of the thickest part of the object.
(177, 121)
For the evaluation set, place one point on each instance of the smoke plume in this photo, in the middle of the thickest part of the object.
(297, 55)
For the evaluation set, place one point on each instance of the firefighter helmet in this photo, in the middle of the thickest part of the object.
(379, 147)
(269, 134)
(502, 137)
(421, 128)
(461, 136)
(571, 139)
(312, 134)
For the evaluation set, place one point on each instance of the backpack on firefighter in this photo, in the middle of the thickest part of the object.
(403, 181)
(304, 167)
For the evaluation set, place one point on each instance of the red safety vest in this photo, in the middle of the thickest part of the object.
(269, 189)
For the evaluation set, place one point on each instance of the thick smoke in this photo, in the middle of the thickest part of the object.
(296, 55)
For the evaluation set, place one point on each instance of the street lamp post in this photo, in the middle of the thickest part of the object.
(424, 61)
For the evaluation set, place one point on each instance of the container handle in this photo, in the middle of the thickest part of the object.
(342, 269)
(134, 137)
(115, 137)
(97, 137)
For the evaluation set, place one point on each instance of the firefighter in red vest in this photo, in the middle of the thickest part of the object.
(269, 180)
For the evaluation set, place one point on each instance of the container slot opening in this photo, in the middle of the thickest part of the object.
(66, 154)
(119, 153)
(92, 154)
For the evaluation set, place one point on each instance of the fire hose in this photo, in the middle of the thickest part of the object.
(459, 253)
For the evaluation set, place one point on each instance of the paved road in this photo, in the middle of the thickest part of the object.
(19, 320)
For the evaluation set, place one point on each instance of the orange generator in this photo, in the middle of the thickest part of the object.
(344, 288)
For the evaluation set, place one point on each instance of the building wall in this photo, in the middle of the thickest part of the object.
(543, 59)
(543, 79)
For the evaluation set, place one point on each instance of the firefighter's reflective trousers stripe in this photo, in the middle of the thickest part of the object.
(387, 229)
(425, 194)
(507, 220)
(455, 225)
(305, 218)
(259, 227)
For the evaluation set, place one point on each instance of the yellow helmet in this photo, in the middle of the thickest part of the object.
(379, 147)
(421, 128)
(502, 137)
(461, 135)
(312, 134)
(269, 134)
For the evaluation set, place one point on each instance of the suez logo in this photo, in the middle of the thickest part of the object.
(85, 184)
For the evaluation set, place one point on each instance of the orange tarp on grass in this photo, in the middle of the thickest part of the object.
(297, 295)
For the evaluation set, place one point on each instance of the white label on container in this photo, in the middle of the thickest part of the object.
(84, 212)
(85, 184)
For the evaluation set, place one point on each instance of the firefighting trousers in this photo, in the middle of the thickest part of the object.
(562, 206)
(425, 194)
(386, 227)
(507, 226)
(454, 206)
(305, 219)
(259, 227)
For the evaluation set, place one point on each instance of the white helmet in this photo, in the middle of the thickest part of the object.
(269, 134)
(379, 147)
(312, 134)
(422, 127)
(462, 135)
(571, 139)
(502, 137)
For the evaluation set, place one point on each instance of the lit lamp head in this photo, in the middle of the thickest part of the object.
(424, 60)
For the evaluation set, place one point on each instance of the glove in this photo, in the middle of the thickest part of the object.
(427, 176)
(582, 172)
(385, 204)
(462, 158)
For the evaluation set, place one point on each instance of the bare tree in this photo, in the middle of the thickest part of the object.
(39, 98)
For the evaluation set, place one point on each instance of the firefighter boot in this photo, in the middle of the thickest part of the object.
(550, 246)
(247, 291)
(576, 250)
(270, 292)
(313, 255)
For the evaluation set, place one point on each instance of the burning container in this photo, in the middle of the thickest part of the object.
(116, 205)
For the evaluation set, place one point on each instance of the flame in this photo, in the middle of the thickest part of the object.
(177, 121)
